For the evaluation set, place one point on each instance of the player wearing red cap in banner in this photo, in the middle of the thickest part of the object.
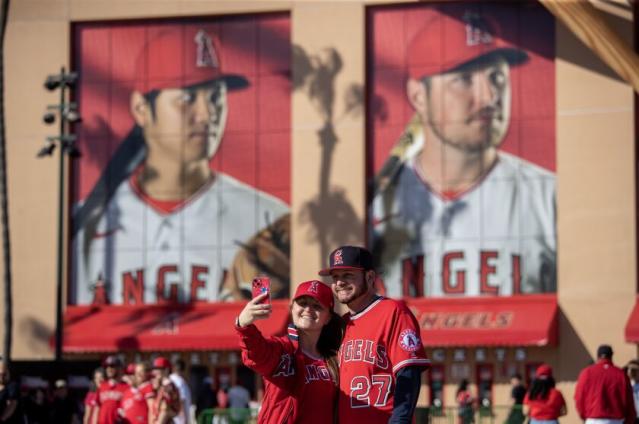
(300, 370)
(166, 403)
(462, 217)
(381, 358)
(162, 225)
(110, 392)
(137, 399)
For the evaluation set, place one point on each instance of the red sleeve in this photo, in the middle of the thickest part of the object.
(582, 381)
(526, 400)
(97, 396)
(558, 401)
(90, 399)
(405, 346)
(260, 354)
(147, 391)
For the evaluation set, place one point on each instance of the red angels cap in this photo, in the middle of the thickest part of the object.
(457, 35)
(182, 56)
(161, 363)
(318, 291)
(349, 257)
(130, 369)
(543, 371)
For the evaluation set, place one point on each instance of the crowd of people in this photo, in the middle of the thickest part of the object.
(365, 366)
(138, 393)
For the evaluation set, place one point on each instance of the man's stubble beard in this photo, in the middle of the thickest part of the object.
(493, 139)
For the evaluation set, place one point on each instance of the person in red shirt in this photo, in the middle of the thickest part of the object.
(543, 402)
(300, 371)
(603, 392)
(465, 403)
(135, 401)
(110, 392)
(166, 403)
(91, 398)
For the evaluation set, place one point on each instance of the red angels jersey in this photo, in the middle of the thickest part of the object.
(378, 342)
(134, 403)
(316, 390)
(146, 255)
(497, 238)
(109, 398)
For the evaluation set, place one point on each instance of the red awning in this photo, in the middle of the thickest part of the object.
(199, 326)
(632, 326)
(525, 320)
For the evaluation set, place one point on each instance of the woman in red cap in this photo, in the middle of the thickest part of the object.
(300, 370)
(543, 403)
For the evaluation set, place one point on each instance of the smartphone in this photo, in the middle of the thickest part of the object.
(262, 285)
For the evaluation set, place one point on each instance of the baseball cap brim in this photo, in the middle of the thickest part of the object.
(327, 271)
(514, 57)
(233, 82)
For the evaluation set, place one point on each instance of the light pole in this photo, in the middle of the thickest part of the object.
(66, 113)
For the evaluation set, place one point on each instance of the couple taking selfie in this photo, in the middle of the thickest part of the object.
(363, 367)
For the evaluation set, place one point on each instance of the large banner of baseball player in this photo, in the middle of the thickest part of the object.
(183, 191)
(461, 127)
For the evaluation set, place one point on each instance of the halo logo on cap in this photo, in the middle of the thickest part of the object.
(477, 30)
(337, 258)
(313, 287)
(206, 57)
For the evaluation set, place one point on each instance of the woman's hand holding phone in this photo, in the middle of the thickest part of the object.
(255, 310)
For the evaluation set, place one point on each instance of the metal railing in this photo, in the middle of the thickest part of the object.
(497, 414)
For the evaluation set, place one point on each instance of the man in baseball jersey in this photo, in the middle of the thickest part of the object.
(381, 358)
(172, 227)
(138, 397)
(461, 217)
(110, 392)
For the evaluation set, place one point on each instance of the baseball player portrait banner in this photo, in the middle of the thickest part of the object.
(461, 148)
(183, 190)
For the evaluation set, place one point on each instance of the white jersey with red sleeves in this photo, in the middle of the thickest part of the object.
(145, 255)
(498, 238)
(378, 342)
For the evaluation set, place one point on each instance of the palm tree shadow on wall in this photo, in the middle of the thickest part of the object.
(330, 216)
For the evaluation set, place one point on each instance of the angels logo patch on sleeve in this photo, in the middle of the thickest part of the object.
(409, 341)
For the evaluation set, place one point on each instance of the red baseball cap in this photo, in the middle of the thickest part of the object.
(318, 291)
(455, 35)
(543, 371)
(349, 257)
(130, 369)
(182, 56)
(161, 363)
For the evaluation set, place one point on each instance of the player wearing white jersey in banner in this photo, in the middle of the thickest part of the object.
(460, 217)
(171, 229)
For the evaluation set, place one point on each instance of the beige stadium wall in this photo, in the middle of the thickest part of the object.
(595, 165)
(597, 225)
